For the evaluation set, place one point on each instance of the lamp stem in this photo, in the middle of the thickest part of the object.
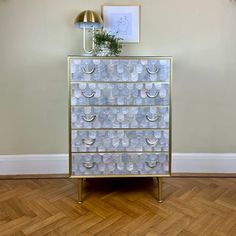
(93, 43)
(84, 41)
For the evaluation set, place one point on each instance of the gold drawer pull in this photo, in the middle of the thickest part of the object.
(86, 71)
(151, 143)
(155, 71)
(89, 165)
(152, 96)
(88, 141)
(152, 164)
(157, 118)
(89, 119)
(90, 95)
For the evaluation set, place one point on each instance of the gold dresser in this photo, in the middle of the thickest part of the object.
(119, 118)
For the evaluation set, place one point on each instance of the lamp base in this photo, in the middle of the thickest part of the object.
(88, 54)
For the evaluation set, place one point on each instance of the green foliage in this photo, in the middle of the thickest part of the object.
(102, 38)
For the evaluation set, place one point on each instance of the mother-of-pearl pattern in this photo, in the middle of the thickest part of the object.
(120, 70)
(119, 116)
(119, 94)
(120, 163)
(119, 140)
(95, 117)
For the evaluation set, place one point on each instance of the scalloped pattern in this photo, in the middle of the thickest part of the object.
(120, 70)
(120, 117)
(120, 140)
(119, 94)
(120, 163)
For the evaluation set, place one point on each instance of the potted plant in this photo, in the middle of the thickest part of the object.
(107, 44)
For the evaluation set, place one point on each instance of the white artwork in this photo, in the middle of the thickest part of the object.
(122, 21)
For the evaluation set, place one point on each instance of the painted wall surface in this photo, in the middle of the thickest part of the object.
(36, 37)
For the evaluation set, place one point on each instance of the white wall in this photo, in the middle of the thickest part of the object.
(37, 35)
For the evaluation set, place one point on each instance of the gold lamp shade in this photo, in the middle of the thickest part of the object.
(88, 19)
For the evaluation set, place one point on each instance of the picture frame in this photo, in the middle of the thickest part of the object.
(122, 21)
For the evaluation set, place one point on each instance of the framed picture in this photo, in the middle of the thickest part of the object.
(122, 21)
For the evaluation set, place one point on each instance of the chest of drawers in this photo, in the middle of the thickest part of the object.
(119, 117)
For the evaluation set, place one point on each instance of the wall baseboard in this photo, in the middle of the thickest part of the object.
(217, 163)
(34, 176)
(183, 164)
(202, 175)
(34, 164)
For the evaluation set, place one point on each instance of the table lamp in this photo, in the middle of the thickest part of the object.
(89, 20)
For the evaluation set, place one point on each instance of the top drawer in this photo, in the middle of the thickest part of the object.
(143, 70)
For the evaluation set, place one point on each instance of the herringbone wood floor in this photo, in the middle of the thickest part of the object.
(192, 206)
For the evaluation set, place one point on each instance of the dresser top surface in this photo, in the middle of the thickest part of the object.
(120, 57)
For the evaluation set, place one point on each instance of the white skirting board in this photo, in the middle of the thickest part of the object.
(59, 164)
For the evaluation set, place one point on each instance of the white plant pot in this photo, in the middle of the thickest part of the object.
(104, 51)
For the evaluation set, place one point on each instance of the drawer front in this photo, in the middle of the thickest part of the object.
(119, 117)
(120, 164)
(120, 70)
(119, 140)
(119, 94)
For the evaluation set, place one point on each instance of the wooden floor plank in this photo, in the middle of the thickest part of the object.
(102, 225)
(32, 229)
(119, 207)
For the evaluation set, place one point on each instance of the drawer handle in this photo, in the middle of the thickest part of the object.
(89, 119)
(152, 96)
(151, 143)
(89, 165)
(86, 71)
(157, 118)
(155, 71)
(88, 142)
(152, 164)
(90, 95)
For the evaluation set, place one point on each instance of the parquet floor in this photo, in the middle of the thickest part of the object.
(120, 207)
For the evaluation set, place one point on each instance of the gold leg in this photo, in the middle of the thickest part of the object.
(80, 190)
(160, 189)
(155, 180)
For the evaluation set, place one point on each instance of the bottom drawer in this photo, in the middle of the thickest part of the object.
(120, 164)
